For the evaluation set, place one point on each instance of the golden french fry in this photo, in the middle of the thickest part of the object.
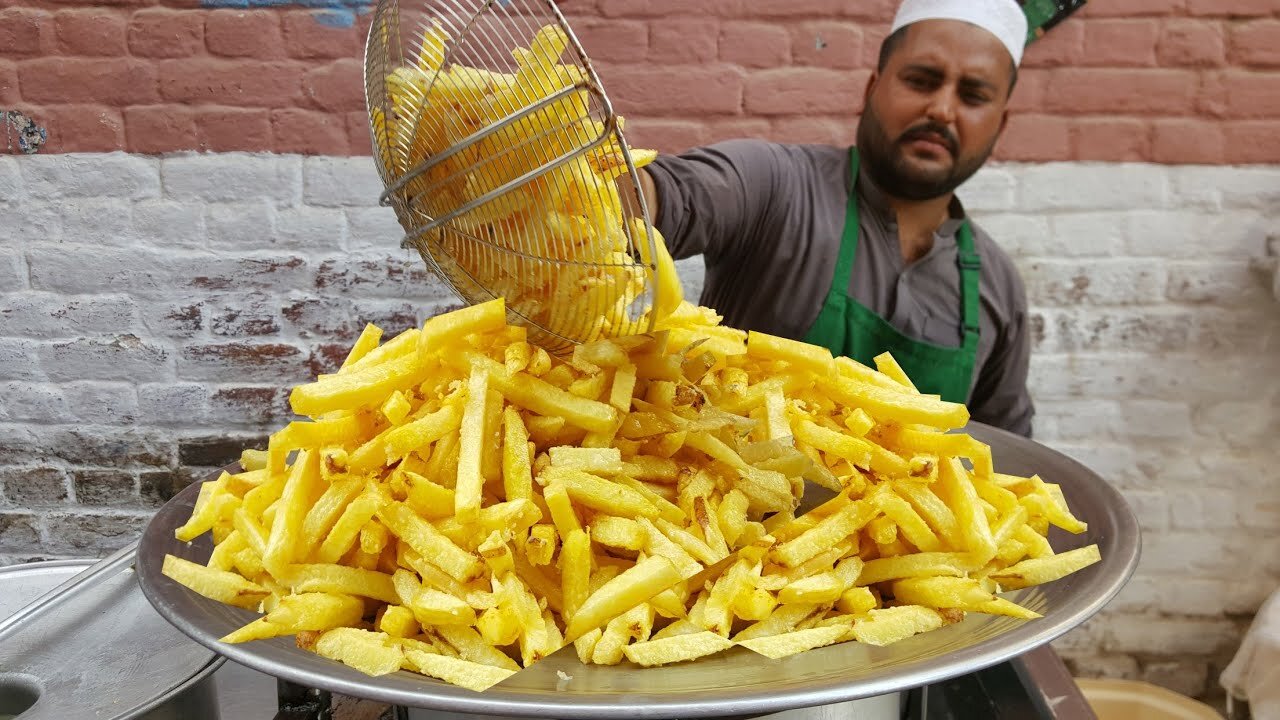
(371, 653)
(463, 673)
(917, 565)
(220, 585)
(441, 331)
(954, 481)
(301, 490)
(339, 579)
(600, 461)
(600, 494)
(826, 533)
(544, 398)
(889, 625)
(360, 385)
(213, 503)
(634, 586)
(517, 472)
(1037, 571)
(466, 506)
(779, 646)
(398, 622)
(679, 648)
(430, 543)
(420, 433)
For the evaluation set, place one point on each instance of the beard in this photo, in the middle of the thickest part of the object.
(890, 169)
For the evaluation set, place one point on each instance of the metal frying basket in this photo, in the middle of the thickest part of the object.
(500, 152)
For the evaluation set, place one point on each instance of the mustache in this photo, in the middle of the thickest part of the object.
(932, 132)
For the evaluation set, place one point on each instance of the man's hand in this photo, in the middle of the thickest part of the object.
(632, 201)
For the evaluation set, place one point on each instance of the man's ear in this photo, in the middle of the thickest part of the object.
(1004, 120)
(871, 86)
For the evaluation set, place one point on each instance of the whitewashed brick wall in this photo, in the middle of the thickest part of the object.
(154, 311)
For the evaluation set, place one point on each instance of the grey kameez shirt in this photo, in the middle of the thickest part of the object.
(768, 219)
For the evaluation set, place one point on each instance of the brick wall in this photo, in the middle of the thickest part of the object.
(1169, 81)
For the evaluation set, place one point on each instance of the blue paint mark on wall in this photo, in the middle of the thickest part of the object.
(336, 18)
(332, 13)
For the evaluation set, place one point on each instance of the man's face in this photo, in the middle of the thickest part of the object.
(935, 112)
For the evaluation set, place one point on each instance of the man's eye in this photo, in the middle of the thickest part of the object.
(975, 98)
(919, 82)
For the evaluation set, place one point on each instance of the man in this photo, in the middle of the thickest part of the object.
(867, 250)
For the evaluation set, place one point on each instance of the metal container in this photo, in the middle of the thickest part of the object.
(881, 707)
(104, 654)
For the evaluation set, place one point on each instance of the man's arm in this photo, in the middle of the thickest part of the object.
(710, 200)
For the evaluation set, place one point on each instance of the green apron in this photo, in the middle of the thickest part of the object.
(848, 328)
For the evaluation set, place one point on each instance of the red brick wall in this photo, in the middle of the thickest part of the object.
(1171, 81)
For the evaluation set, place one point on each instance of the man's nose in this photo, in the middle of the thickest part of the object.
(942, 107)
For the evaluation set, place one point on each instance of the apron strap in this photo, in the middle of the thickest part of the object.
(970, 272)
(849, 238)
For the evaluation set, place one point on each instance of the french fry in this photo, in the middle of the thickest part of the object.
(466, 505)
(302, 612)
(619, 532)
(826, 533)
(917, 565)
(891, 406)
(442, 331)
(887, 365)
(339, 579)
(420, 433)
(1037, 571)
(680, 648)
(782, 620)
(955, 482)
(369, 652)
(777, 647)
(220, 585)
(952, 592)
(430, 543)
(473, 648)
(347, 527)
(360, 385)
(816, 360)
(300, 493)
(600, 461)
(463, 673)
(634, 586)
(398, 622)
(889, 625)
(600, 494)
(517, 472)
(543, 398)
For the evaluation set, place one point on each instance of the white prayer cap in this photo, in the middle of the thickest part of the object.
(1002, 18)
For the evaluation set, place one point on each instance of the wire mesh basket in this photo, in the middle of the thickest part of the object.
(507, 167)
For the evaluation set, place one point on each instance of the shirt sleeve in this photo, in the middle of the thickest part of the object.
(1000, 396)
(712, 199)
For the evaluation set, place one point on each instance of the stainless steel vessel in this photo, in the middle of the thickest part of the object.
(104, 654)
(737, 683)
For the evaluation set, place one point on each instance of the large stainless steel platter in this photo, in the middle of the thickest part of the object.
(736, 683)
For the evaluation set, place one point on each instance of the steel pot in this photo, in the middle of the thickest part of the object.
(105, 654)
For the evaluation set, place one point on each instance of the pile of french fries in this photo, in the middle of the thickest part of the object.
(462, 504)
(560, 247)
